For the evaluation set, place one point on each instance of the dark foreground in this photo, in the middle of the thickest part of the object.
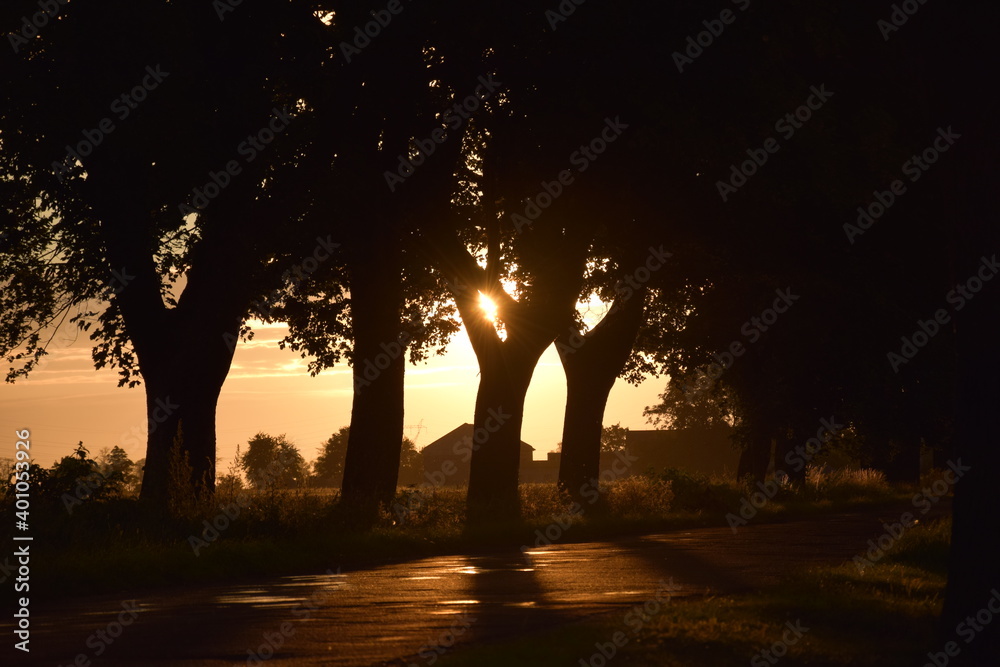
(414, 612)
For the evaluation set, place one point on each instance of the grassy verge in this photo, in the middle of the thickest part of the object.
(109, 545)
(883, 616)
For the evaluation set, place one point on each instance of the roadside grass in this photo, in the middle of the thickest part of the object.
(110, 544)
(884, 616)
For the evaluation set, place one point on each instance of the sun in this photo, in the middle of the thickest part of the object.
(488, 306)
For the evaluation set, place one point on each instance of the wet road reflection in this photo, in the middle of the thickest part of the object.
(406, 613)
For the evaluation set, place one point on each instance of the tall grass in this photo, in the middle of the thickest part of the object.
(272, 512)
(845, 483)
(118, 542)
(640, 497)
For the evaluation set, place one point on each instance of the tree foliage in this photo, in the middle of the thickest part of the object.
(273, 462)
(328, 468)
(613, 438)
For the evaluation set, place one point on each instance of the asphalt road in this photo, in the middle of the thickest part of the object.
(406, 613)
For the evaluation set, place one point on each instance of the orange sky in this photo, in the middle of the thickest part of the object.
(269, 390)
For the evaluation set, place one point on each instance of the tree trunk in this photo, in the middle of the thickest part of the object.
(183, 353)
(965, 197)
(586, 398)
(756, 456)
(592, 364)
(792, 447)
(183, 383)
(904, 464)
(493, 474)
(185, 415)
(973, 571)
(506, 365)
(371, 468)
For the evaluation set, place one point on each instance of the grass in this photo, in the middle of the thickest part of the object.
(884, 616)
(108, 545)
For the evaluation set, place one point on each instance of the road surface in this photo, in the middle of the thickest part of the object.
(405, 613)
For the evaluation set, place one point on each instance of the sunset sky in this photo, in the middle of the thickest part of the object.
(269, 390)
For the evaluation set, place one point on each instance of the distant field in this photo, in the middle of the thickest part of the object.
(107, 543)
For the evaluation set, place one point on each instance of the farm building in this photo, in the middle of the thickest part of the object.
(707, 451)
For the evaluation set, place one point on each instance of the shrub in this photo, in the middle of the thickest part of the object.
(926, 546)
(543, 501)
(845, 483)
(639, 497)
(435, 508)
(697, 493)
(690, 491)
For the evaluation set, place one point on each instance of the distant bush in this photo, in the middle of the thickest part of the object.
(76, 479)
(273, 461)
(695, 493)
(639, 497)
(543, 501)
(630, 498)
(690, 490)
(229, 485)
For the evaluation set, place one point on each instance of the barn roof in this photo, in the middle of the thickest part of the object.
(446, 443)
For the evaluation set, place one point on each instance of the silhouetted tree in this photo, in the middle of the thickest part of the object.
(273, 462)
(117, 218)
(115, 460)
(328, 469)
(411, 464)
